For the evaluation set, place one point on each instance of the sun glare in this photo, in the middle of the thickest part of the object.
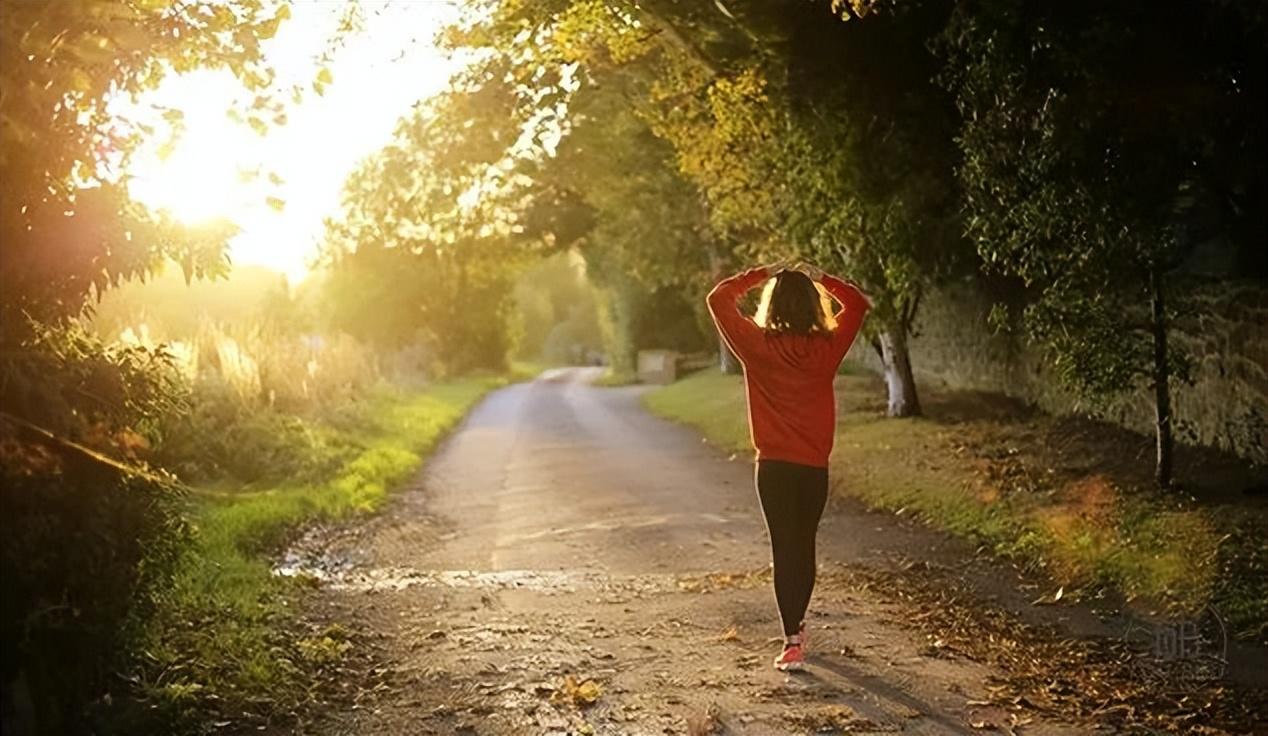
(278, 187)
(197, 180)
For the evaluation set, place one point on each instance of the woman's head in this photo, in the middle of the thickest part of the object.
(791, 303)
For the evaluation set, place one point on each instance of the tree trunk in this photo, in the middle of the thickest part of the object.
(727, 362)
(899, 381)
(1162, 385)
(726, 359)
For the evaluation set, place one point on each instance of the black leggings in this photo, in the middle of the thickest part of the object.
(793, 497)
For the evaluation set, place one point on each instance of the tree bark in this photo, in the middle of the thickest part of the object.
(899, 381)
(727, 361)
(1165, 443)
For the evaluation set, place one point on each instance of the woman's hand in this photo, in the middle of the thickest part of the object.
(814, 273)
(773, 268)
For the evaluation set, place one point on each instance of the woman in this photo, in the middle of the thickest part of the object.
(790, 354)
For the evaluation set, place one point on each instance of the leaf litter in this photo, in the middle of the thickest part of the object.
(1084, 680)
(581, 693)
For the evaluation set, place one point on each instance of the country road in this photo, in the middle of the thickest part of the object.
(568, 563)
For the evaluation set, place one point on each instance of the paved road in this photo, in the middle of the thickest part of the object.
(562, 532)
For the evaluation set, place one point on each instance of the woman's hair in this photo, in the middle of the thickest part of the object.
(792, 303)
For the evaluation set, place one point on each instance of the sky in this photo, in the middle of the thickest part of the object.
(378, 74)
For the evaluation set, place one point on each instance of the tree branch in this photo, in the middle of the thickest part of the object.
(81, 450)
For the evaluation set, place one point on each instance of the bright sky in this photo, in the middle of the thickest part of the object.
(379, 73)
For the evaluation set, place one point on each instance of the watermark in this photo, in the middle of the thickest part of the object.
(1179, 650)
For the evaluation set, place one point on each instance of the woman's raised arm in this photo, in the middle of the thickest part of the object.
(739, 331)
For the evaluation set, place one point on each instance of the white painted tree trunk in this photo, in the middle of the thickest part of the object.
(901, 385)
(727, 361)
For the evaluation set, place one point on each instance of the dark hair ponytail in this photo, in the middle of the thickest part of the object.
(791, 304)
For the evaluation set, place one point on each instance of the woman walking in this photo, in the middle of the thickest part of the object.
(791, 351)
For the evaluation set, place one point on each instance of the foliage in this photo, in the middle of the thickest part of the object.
(557, 311)
(165, 307)
(89, 545)
(422, 252)
(67, 227)
(1101, 144)
(88, 539)
(516, 158)
(106, 394)
(606, 141)
(225, 440)
(654, 269)
(251, 370)
(640, 318)
(581, 193)
(828, 141)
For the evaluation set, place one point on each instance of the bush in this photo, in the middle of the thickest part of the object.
(256, 403)
(88, 545)
(222, 439)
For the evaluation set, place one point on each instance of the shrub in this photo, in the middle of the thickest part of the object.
(255, 401)
(222, 438)
(88, 545)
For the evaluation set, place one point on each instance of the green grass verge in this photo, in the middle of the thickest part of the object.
(525, 370)
(612, 379)
(223, 639)
(1082, 530)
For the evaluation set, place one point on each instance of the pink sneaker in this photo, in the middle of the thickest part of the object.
(792, 659)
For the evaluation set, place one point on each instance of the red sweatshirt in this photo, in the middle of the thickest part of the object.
(788, 378)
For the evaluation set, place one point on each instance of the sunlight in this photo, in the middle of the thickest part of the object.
(278, 187)
(198, 180)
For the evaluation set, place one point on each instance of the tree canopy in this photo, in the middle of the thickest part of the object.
(1102, 144)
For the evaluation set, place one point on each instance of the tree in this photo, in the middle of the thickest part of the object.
(804, 137)
(649, 244)
(608, 186)
(89, 538)
(830, 140)
(1101, 143)
(424, 249)
(557, 311)
(67, 228)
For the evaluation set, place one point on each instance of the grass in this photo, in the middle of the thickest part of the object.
(224, 637)
(612, 379)
(990, 474)
(710, 401)
(525, 370)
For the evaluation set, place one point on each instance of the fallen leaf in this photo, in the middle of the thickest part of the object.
(580, 693)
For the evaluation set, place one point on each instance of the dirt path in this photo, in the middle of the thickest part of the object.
(568, 563)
